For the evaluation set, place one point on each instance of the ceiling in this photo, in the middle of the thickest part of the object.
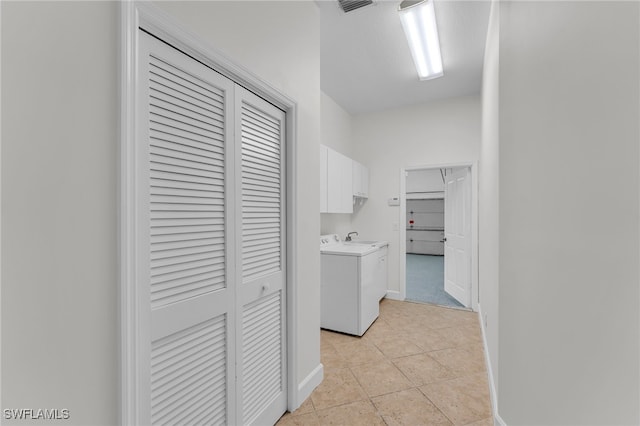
(366, 64)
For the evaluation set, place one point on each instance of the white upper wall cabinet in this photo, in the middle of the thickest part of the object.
(336, 185)
(360, 176)
(323, 179)
(339, 183)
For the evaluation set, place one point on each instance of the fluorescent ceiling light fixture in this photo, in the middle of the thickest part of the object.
(419, 22)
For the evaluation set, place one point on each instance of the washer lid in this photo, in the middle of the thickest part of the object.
(348, 249)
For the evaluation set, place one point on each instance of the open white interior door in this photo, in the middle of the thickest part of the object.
(457, 231)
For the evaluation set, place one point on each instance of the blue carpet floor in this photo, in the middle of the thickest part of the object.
(425, 280)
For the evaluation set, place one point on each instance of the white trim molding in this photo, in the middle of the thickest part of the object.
(135, 15)
(394, 295)
(497, 420)
(1, 5)
(126, 218)
(308, 384)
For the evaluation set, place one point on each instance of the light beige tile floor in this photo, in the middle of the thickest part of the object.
(418, 364)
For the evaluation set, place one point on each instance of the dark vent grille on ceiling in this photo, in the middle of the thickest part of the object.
(349, 5)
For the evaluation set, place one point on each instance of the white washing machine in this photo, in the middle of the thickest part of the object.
(349, 301)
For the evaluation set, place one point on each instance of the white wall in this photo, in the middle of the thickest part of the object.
(569, 187)
(59, 185)
(335, 129)
(336, 133)
(59, 204)
(488, 197)
(436, 133)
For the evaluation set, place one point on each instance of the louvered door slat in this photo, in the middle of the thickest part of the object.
(164, 99)
(182, 243)
(162, 131)
(257, 131)
(203, 238)
(251, 196)
(184, 170)
(257, 162)
(166, 256)
(265, 121)
(171, 185)
(202, 162)
(263, 149)
(170, 141)
(264, 252)
(171, 92)
(261, 189)
(275, 245)
(191, 85)
(262, 176)
(194, 157)
(213, 129)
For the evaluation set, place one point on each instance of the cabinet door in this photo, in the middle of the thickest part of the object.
(333, 181)
(346, 185)
(339, 183)
(360, 176)
(369, 301)
(364, 181)
(357, 178)
(323, 179)
(381, 273)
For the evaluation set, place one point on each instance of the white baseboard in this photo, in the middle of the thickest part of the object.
(497, 420)
(308, 385)
(394, 294)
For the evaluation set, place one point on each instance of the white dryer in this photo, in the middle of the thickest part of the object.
(349, 301)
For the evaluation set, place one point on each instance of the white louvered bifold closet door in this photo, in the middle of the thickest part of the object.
(261, 295)
(186, 244)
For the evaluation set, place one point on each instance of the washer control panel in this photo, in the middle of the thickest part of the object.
(326, 240)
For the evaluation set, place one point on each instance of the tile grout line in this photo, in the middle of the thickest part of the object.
(374, 343)
(415, 386)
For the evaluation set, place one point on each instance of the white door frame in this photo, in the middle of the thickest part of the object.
(473, 166)
(133, 15)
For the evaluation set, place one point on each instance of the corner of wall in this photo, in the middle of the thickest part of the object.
(488, 207)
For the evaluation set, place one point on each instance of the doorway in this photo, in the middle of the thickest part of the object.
(437, 237)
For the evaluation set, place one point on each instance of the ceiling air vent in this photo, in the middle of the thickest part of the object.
(350, 5)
